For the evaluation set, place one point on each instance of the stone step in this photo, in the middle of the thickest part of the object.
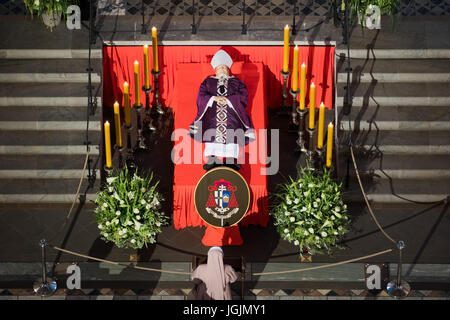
(394, 67)
(397, 89)
(391, 199)
(52, 137)
(394, 101)
(45, 113)
(372, 160)
(39, 101)
(51, 185)
(414, 150)
(44, 199)
(403, 114)
(48, 78)
(46, 150)
(63, 89)
(409, 174)
(358, 77)
(49, 66)
(395, 125)
(44, 174)
(394, 54)
(377, 136)
(50, 53)
(42, 161)
(48, 125)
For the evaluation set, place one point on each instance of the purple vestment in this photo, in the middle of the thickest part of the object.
(220, 119)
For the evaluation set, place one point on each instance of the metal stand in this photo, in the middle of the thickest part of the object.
(244, 25)
(284, 110)
(399, 288)
(156, 103)
(294, 106)
(108, 170)
(130, 163)
(44, 288)
(301, 130)
(140, 145)
(310, 151)
(148, 121)
(120, 156)
(319, 160)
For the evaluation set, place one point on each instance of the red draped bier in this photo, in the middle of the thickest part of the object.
(183, 68)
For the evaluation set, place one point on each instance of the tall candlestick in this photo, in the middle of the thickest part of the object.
(320, 129)
(137, 87)
(302, 86)
(286, 49)
(117, 124)
(295, 70)
(329, 144)
(146, 68)
(108, 145)
(155, 49)
(126, 103)
(312, 105)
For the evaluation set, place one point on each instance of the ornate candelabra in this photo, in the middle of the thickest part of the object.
(301, 130)
(294, 106)
(284, 107)
(130, 155)
(311, 149)
(140, 145)
(148, 121)
(120, 155)
(156, 103)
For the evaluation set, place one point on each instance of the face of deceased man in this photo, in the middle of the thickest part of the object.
(222, 70)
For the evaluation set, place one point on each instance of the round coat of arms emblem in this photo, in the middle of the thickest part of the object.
(222, 197)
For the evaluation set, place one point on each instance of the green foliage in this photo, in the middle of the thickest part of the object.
(39, 7)
(387, 7)
(310, 212)
(128, 210)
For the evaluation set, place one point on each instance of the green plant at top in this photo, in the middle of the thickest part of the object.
(310, 212)
(128, 210)
(39, 7)
(387, 7)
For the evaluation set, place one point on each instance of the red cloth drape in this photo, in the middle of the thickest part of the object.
(118, 67)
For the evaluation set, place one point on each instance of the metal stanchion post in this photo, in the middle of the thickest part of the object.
(399, 288)
(44, 288)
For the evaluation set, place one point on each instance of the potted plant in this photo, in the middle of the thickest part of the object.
(310, 212)
(128, 210)
(50, 11)
(371, 10)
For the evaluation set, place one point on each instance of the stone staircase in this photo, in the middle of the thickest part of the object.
(399, 124)
(43, 102)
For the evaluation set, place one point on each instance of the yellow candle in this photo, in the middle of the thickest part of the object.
(137, 86)
(146, 68)
(295, 70)
(321, 120)
(126, 102)
(312, 104)
(302, 86)
(117, 124)
(329, 144)
(286, 49)
(155, 49)
(108, 145)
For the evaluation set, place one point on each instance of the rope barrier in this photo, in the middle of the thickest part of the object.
(118, 263)
(365, 198)
(77, 194)
(324, 266)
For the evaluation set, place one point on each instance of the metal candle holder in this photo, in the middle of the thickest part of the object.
(130, 155)
(148, 121)
(120, 156)
(156, 103)
(320, 153)
(294, 106)
(108, 170)
(301, 129)
(284, 107)
(310, 151)
(140, 145)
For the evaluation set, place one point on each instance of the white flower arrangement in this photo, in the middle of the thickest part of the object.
(129, 211)
(310, 212)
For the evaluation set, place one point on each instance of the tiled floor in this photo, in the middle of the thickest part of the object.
(252, 294)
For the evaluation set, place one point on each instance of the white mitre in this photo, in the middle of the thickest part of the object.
(221, 57)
